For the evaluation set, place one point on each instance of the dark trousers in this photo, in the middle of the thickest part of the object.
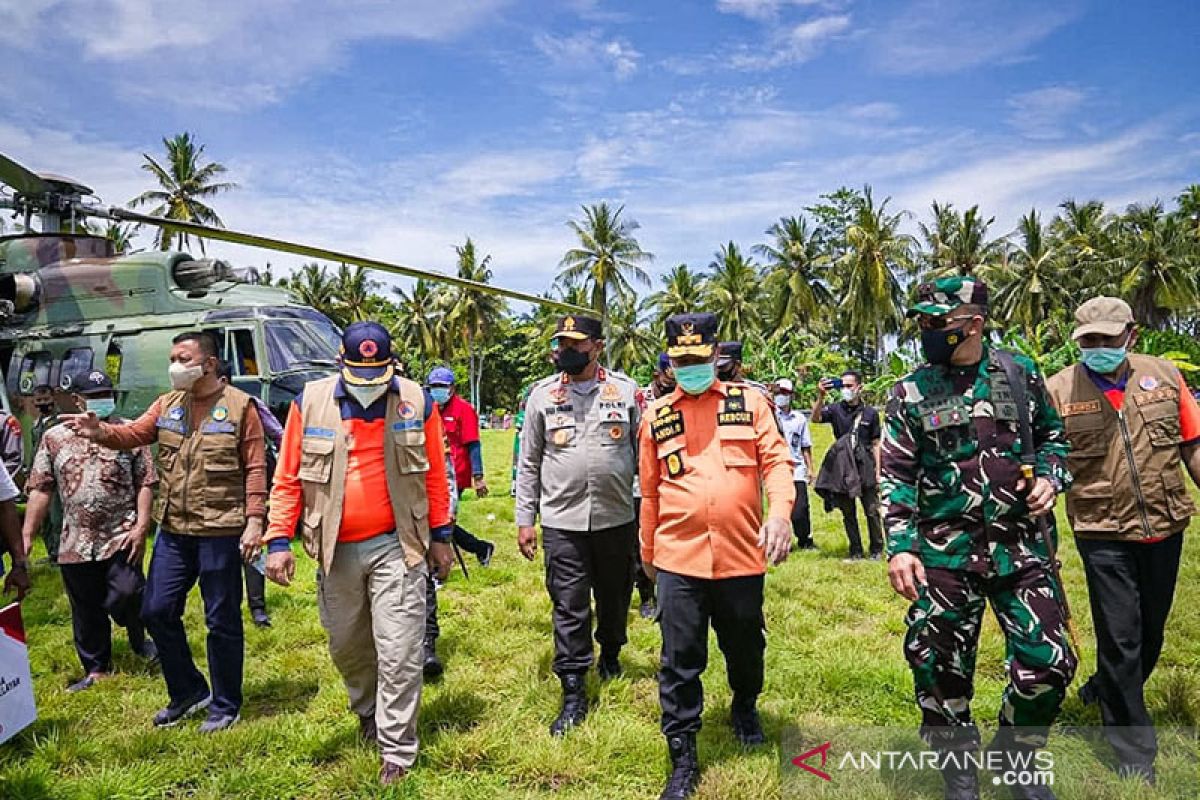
(97, 591)
(178, 562)
(641, 580)
(1131, 586)
(256, 588)
(870, 504)
(801, 523)
(580, 565)
(686, 607)
(432, 629)
(469, 542)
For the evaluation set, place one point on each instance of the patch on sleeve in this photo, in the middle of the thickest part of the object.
(675, 464)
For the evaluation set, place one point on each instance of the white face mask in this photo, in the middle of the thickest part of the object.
(184, 378)
(366, 395)
(849, 395)
(783, 400)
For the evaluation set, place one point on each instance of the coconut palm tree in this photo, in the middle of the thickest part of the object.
(796, 275)
(354, 294)
(957, 244)
(608, 258)
(1029, 285)
(683, 291)
(877, 254)
(418, 321)
(1084, 231)
(1189, 208)
(1157, 263)
(185, 184)
(630, 342)
(314, 287)
(471, 314)
(734, 291)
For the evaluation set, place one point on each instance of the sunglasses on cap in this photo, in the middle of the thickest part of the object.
(928, 323)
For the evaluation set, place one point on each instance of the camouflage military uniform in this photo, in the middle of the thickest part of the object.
(951, 468)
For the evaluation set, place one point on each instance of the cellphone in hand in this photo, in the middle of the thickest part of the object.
(834, 383)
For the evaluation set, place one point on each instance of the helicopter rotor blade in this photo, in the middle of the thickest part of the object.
(296, 248)
(20, 178)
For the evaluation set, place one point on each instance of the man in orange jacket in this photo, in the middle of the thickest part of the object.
(707, 451)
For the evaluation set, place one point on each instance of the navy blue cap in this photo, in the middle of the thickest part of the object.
(440, 376)
(88, 382)
(691, 334)
(367, 354)
(729, 351)
(664, 362)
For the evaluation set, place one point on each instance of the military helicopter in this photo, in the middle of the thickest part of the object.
(69, 303)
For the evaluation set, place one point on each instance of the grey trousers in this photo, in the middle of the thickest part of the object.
(373, 608)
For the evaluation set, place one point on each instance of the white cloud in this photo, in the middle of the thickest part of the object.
(228, 54)
(941, 36)
(793, 44)
(588, 50)
(1044, 113)
(761, 9)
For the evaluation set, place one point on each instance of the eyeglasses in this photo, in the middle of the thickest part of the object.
(928, 323)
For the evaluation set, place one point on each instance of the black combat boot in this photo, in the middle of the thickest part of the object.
(960, 777)
(1018, 771)
(574, 704)
(747, 727)
(609, 666)
(685, 768)
(432, 668)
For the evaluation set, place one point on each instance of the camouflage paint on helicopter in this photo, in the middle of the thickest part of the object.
(120, 314)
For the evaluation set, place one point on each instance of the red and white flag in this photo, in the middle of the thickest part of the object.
(17, 709)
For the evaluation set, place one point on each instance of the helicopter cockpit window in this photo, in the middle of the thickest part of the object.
(241, 352)
(291, 343)
(35, 371)
(75, 361)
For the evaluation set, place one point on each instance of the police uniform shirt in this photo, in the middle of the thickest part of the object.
(578, 454)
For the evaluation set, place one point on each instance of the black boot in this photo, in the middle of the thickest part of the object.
(609, 666)
(432, 668)
(960, 777)
(685, 768)
(747, 727)
(1018, 772)
(574, 704)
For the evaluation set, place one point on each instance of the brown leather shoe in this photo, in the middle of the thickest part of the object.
(391, 773)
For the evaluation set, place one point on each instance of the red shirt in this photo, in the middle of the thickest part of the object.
(462, 427)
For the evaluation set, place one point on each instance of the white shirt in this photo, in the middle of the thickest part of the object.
(8, 489)
(798, 438)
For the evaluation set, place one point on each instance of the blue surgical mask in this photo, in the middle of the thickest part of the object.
(1104, 360)
(102, 407)
(440, 394)
(696, 378)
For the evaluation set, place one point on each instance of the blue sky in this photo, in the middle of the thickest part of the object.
(395, 129)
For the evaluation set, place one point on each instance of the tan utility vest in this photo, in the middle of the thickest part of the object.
(202, 490)
(323, 469)
(1125, 464)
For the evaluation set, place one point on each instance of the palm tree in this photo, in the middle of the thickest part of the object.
(185, 183)
(734, 291)
(471, 314)
(608, 256)
(877, 253)
(1029, 285)
(353, 293)
(1157, 263)
(314, 288)
(683, 291)
(957, 244)
(1189, 208)
(418, 322)
(796, 279)
(630, 341)
(1083, 230)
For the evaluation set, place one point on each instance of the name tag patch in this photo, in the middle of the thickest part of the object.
(218, 427)
(171, 425)
(735, 418)
(320, 433)
(667, 426)
(408, 425)
(1074, 409)
(1157, 396)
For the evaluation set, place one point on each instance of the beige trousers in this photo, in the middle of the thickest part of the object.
(373, 608)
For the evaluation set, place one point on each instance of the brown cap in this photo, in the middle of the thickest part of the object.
(1107, 316)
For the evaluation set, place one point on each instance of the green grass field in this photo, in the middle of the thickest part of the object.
(833, 659)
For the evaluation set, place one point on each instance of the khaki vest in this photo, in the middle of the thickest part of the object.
(203, 481)
(323, 469)
(1128, 484)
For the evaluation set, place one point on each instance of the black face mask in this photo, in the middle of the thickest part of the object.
(572, 361)
(46, 409)
(726, 373)
(939, 345)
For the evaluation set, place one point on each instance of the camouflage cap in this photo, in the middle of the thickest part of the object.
(946, 294)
